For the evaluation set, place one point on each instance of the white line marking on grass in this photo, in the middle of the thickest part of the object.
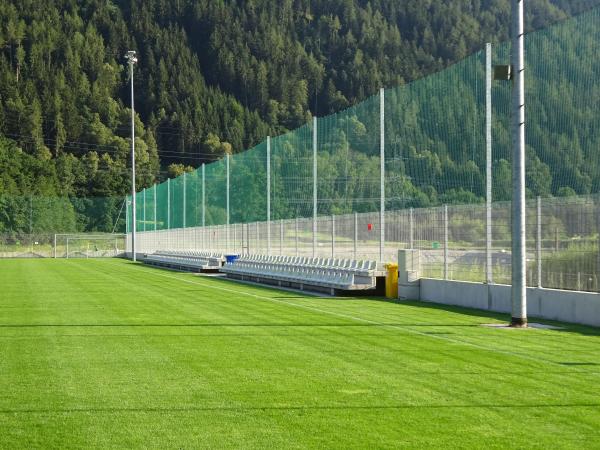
(347, 316)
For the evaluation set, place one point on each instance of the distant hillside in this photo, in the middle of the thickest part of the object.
(213, 76)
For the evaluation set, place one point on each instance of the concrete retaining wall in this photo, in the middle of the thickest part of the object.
(566, 306)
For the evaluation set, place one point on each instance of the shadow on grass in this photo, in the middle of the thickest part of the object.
(233, 325)
(292, 408)
(563, 327)
(579, 364)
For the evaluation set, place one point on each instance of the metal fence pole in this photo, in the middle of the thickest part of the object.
(168, 203)
(411, 229)
(184, 199)
(519, 250)
(538, 242)
(155, 220)
(127, 224)
(257, 238)
(381, 173)
(228, 217)
(204, 241)
(268, 195)
(445, 242)
(281, 236)
(296, 225)
(355, 234)
(333, 236)
(597, 230)
(488, 164)
(314, 187)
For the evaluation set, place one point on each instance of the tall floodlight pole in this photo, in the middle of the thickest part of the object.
(519, 280)
(315, 204)
(488, 164)
(227, 204)
(132, 59)
(381, 173)
(269, 195)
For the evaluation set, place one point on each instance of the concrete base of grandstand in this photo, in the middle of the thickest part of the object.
(564, 306)
(378, 290)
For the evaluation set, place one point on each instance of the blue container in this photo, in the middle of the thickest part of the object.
(231, 258)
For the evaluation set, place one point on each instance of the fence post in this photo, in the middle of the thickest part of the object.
(411, 229)
(381, 173)
(281, 236)
(355, 233)
(184, 199)
(127, 224)
(268, 195)
(296, 225)
(597, 223)
(333, 236)
(314, 187)
(445, 242)
(257, 237)
(488, 164)
(155, 220)
(144, 214)
(538, 243)
(168, 203)
(227, 191)
(203, 206)
(518, 216)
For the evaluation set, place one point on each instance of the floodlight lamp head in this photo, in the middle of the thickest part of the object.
(131, 57)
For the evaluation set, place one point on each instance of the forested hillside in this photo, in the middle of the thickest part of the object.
(213, 77)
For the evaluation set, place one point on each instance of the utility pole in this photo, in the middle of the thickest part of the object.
(132, 59)
(519, 256)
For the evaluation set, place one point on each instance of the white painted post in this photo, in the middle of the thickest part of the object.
(203, 206)
(519, 250)
(155, 219)
(381, 173)
(445, 242)
(488, 163)
(355, 234)
(227, 201)
(268, 195)
(281, 236)
(296, 225)
(144, 213)
(257, 238)
(538, 243)
(168, 203)
(411, 229)
(332, 236)
(184, 199)
(315, 212)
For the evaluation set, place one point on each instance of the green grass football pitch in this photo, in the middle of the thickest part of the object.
(107, 353)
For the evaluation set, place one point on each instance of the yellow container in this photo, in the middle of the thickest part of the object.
(391, 281)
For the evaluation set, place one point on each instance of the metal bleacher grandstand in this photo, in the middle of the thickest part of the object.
(306, 273)
(186, 260)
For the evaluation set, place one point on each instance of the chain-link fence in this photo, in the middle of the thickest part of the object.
(562, 240)
(38, 227)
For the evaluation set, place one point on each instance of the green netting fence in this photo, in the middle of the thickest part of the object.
(434, 145)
